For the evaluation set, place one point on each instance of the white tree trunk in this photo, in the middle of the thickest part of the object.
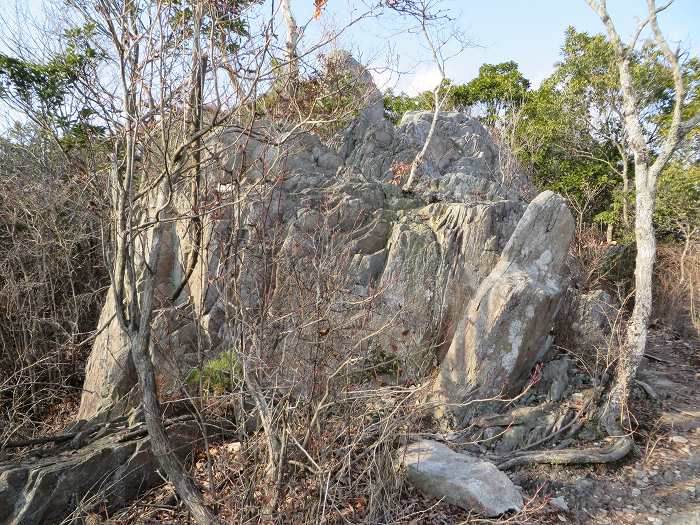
(625, 193)
(418, 160)
(638, 325)
(438, 101)
(646, 177)
(291, 44)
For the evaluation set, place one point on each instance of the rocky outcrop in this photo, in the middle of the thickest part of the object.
(309, 257)
(112, 470)
(459, 479)
(461, 163)
(422, 254)
(457, 268)
(506, 327)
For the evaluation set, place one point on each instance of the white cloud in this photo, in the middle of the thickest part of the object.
(383, 78)
(424, 79)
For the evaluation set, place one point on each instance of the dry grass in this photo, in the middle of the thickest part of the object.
(346, 472)
(677, 290)
(51, 282)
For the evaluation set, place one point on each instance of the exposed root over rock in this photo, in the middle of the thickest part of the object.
(614, 452)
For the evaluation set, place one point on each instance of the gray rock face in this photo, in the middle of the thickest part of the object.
(421, 257)
(109, 373)
(437, 257)
(110, 376)
(594, 314)
(423, 261)
(506, 327)
(109, 470)
(460, 479)
(461, 164)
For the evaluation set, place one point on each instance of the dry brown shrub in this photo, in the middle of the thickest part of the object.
(596, 263)
(51, 283)
(399, 171)
(677, 290)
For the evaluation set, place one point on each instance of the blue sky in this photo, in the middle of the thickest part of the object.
(530, 32)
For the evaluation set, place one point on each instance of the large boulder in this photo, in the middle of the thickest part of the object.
(421, 256)
(506, 328)
(417, 258)
(590, 319)
(112, 470)
(459, 478)
(436, 258)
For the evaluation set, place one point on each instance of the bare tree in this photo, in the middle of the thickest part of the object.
(291, 44)
(163, 102)
(136, 32)
(430, 22)
(648, 164)
(438, 100)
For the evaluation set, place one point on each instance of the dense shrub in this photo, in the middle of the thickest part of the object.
(677, 288)
(52, 276)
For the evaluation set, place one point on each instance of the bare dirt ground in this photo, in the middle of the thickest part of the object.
(660, 482)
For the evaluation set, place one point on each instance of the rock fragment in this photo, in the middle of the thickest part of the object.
(460, 479)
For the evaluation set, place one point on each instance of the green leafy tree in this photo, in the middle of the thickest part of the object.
(51, 93)
(396, 105)
(677, 213)
(498, 87)
(572, 127)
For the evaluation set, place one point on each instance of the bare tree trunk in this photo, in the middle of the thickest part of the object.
(625, 184)
(139, 331)
(134, 302)
(291, 47)
(160, 444)
(625, 196)
(646, 178)
(418, 160)
(637, 327)
(437, 100)
(689, 233)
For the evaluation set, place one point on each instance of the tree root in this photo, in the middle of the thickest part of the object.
(648, 390)
(614, 452)
(514, 417)
(574, 425)
(62, 438)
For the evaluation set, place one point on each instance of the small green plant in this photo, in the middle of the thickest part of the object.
(386, 362)
(223, 374)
